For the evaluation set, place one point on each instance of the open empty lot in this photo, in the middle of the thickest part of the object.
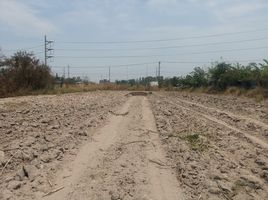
(110, 145)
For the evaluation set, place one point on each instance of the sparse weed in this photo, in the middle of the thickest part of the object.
(195, 141)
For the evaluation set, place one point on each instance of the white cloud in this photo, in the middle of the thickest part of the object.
(229, 9)
(242, 9)
(23, 19)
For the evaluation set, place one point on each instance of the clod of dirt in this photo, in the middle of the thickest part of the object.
(115, 196)
(20, 175)
(30, 171)
(14, 185)
(265, 175)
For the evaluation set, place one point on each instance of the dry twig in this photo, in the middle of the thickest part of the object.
(118, 114)
(157, 162)
(10, 149)
(49, 183)
(53, 191)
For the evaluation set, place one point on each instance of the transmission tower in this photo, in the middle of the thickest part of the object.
(48, 50)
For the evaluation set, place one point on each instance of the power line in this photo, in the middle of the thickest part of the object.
(107, 76)
(204, 62)
(167, 47)
(164, 62)
(41, 52)
(163, 40)
(28, 48)
(105, 66)
(159, 55)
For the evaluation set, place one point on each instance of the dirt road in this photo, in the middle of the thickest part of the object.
(124, 161)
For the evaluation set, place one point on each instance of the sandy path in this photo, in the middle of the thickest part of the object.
(124, 161)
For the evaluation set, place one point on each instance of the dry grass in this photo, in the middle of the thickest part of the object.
(259, 94)
(78, 88)
(93, 87)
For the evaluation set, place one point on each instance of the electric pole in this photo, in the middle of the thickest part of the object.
(48, 50)
(45, 50)
(63, 72)
(68, 71)
(159, 63)
(109, 74)
(127, 73)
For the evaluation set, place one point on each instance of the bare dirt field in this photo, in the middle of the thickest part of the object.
(40, 133)
(109, 145)
(218, 144)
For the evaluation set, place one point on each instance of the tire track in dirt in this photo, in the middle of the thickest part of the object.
(124, 161)
(230, 114)
(237, 105)
(254, 139)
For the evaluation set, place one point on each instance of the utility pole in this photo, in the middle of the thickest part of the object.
(109, 74)
(45, 50)
(159, 63)
(68, 71)
(127, 73)
(48, 50)
(63, 72)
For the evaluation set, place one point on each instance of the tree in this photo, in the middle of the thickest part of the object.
(2, 57)
(24, 71)
(217, 76)
(264, 73)
(199, 77)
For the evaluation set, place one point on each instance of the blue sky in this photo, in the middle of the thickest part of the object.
(23, 24)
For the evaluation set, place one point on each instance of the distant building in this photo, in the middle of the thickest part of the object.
(154, 84)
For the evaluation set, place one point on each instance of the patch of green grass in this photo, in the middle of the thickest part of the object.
(195, 141)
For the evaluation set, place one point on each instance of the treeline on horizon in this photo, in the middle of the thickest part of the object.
(219, 76)
(22, 73)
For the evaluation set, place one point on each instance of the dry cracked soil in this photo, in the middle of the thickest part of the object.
(116, 146)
